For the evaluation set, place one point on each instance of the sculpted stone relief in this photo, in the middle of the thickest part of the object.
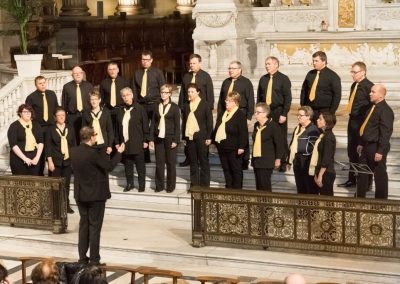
(346, 14)
(339, 54)
(216, 20)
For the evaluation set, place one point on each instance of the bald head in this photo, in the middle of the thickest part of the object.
(295, 279)
(378, 93)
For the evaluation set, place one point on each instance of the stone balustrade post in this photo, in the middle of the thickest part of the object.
(74, 8)
(185, 6)
(130, 7)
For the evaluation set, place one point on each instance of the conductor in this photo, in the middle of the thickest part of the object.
(91, 190)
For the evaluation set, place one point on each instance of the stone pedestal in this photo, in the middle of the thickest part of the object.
(74, 8)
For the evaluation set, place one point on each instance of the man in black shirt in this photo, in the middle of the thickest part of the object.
(375, 133)
(203, 80)
(274, 89)
(75, 99)
(321, 88)
(110, 89)
(242, 85)
(146, 85)
(44, 102)
(359, 103)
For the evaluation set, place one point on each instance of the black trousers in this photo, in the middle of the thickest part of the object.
(75, 121)
(138, 160)
(150, 108)
(198, 156)
(379, 170)
(275, 114)
(90, 223)
(232, 166)
(165, 156)
(353, 140)
(263, 179)
(304, 182)
(65, 172)
(327, 184)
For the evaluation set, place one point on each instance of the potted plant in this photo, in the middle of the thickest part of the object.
(28, 65)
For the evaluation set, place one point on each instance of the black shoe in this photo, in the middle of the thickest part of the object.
(141, 189)
(128, 187)
(70, 210)
(347, 184)
(84, 261)
(169, 190)
(282, 169)
(158, 190)
(184, 163)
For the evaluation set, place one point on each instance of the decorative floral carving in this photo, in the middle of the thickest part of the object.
(215, 20)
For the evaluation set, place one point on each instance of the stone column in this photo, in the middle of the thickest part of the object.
(130, 7)
(74, 8)
(185, 6)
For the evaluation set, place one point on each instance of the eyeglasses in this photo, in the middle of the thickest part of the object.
(165, 92)
(26, 111)
(355, 72)
(146, 59)
(233, 68)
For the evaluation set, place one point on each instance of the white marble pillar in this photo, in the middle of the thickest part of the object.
(332, 11)
(185, 6)
(74, 8)
(261, 54)
(130, 7)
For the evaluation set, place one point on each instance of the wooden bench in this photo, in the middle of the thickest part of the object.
(147, 271)
(217, 279)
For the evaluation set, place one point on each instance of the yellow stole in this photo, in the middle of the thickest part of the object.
(314, 156)
(30, 143)
(161, 125)
(97, 128)
(293, 148)
(192, 126)
(221, 131)
(64, 142)
(257, 142)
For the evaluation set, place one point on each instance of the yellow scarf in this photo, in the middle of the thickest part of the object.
(221, 131)
(64, 143)
(97, 128)
(314, 156)
(161, 126)
(257, 142)
(293, 148)
(125, 123)
(192, 126)
(30, 143)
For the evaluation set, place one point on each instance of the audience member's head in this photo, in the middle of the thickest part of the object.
(4, 275)
(46, 272)
(90, 275)
(295, 279)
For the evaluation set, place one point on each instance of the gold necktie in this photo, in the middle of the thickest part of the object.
(230, 90)
(314, 88)
(366, 121)
(193, 78)
(268, 99)
(30, 140)
(78, 98)
(161, 125)
(64, 143)
(143, 90)
(351, 100)
(221, 131)
(314, 156)
(257, 142)
(113, 99)
(45, 108)
(97, 128)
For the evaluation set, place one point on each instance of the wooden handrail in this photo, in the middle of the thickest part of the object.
(159, 272)
(217, 279)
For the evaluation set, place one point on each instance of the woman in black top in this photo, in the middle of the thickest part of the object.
(26, 143)
(197, 128)
(100, 119)
(304, 136)
(59, 139)
(268, 147)
(323, 156)
(164, 137)
(231, 137)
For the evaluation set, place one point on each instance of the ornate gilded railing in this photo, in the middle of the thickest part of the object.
(33, 202)
(296, 222)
